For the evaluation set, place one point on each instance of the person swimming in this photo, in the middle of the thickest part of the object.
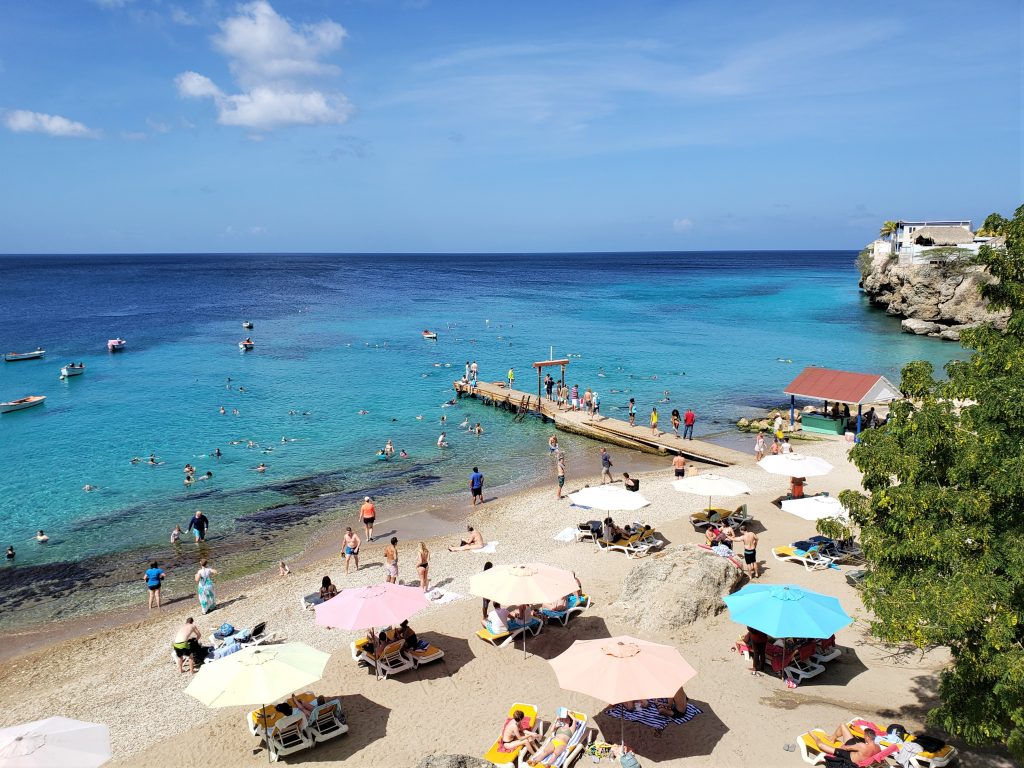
(135, 460)
(261, 468)
(402, 453)
(41, 537)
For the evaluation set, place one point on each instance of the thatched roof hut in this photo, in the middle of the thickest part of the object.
(942, 236)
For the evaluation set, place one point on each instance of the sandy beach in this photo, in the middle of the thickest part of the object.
(124, 676)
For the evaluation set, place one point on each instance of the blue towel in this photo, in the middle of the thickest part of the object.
(650, 715)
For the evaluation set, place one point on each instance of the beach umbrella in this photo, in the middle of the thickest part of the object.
(55, 741)
(709, 484)
(378, 605)
(525, 584)
(795, 465)
(610, 498)
(814, 507)
(786, 610)
(618, 669)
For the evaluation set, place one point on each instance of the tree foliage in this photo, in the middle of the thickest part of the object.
(888, 228)
(943, 524)
(993, 226)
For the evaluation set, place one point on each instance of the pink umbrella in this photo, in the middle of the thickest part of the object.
(379, 605)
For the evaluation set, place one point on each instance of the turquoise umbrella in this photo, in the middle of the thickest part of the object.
(786, 610)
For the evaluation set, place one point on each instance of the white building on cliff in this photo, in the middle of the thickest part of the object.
(916, 242)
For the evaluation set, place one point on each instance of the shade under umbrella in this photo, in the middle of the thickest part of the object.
(611, 498)
(55, 741)
(528, 584)
(814, 507)
(258, 675)
(795, 465)
(617, 669)
(378, 605)
(786, 610)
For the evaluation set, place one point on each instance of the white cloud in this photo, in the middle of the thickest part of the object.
(682, 225)
(24, 121)
(157, 126)
(133, 135)
(180, 16)
(278, 66)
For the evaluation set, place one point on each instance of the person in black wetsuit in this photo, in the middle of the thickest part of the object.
(199, 523)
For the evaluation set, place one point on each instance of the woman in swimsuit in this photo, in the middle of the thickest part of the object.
(514, 735)
(327, 589)
(556, 746)
(424, 563)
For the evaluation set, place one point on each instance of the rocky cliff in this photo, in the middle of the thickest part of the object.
(935, 299)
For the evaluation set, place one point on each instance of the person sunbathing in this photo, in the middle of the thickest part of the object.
(676, 706)
(327, 589)
(406, 633)
(560, 736)
(854, 750)
(513, 735)
(558, 606)
(307, 709)
(473, 541)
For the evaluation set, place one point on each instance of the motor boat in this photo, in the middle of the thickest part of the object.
(12, 357)
(247, 324)
(71, 369)
(116, 345)
(246, 345)
(430, 335)
(25, 402)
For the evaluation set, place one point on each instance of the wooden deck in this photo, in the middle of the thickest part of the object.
(603, 428)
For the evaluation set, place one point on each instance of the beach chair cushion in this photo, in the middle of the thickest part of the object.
(498, 753)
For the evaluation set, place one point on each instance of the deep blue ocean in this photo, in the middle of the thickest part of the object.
(337, 335)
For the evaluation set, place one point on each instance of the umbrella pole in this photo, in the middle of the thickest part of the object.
(376, 654)
(266, 732)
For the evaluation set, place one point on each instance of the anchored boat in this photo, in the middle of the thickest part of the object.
(116, 345)
(71, 369)
(25, 402)
(246, 345)
(247, 324)
(12, 357)
(430, 335)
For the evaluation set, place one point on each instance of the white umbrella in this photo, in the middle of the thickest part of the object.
(55, 741)
(611, 498)
(814, 507)
(795, 465)
(709, 484)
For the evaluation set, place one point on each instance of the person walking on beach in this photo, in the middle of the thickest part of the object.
(423, 565)
(391, 561)
(154, 580)
(476, 487)
(596, 406)
(368, 514)
(563, 396)
(759, 447)
(511, 377)
(472, 370)
(186, 645)
(654, 422)
(560, 457)
(199, 524)
(350, 546)
(204, 586)
(575, 397)
(467, 370)
(675, 421)
(749, 539)
(632, 412)
(549, 385)
(679, 465)
(606, 467)
(484, 601)
(588, 402)
(777, 426)
(688, 419)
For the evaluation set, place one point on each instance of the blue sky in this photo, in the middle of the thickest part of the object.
(419, 125)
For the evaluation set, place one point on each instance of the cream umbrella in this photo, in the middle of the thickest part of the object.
(55, 741)
(709, 484)
(795, 465)
(814, 507)
(610, 498)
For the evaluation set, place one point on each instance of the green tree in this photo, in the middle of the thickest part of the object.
(888, 228)
(993, 226)
(943, 524)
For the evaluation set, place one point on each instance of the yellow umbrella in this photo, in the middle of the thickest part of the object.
(257, 675)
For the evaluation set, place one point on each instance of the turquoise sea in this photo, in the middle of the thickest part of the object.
(339, 335)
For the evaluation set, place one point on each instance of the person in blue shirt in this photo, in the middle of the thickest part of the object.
(476, 487)
(154, 579)
(199, 524)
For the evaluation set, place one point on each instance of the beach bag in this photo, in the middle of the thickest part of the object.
(226, 630)
(628, 760)
(929, 743)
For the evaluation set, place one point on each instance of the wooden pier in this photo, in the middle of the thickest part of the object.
(603, 428)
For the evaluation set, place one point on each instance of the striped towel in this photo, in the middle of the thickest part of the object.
(650, 715)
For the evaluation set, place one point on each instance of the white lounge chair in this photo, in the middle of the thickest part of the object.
(388, 661)
(810, 559)
(574, 606)
(327, 720)
(288, 736)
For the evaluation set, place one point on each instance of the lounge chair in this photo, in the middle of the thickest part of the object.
(811, 559)
(827, 650)
(327, 720)
(387, 661)
(288, 736)
(803, 666)
(575, 605)
(498, 754)
(637, 544)
(423, 653)
(499, 639)
(701, 520)
(573, 747)
(260, 720)
(938, 758)
(309, 601)
(533, 626)
(590, 530)
(811, 752)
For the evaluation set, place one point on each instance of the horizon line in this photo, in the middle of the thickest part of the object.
(421, 253)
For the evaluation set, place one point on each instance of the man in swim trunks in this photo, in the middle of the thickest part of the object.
(561, 473)
(186, 644)
(606, 467)
(560, 735)
(679, 465)
(749, 539)
(854, 750)
(199, 524)
(476, 487)
(391, 561)
(350, 545)
(368, 514)
(473, 541)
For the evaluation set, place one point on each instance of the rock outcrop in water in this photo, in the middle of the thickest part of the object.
(937, 299)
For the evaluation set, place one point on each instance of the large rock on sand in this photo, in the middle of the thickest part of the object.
(663, 594)
(453, 761)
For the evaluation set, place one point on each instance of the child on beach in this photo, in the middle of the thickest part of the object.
(654, 421)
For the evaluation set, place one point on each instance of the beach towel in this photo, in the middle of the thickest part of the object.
(440, 596)
(487, 549)
(650, 716)
(566, 534)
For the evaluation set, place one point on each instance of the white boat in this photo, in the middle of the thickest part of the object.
(430, 335)
(116, 345)
(247, 324)
(71, 369)
(12, 357)
(246, 345)
(25, 402)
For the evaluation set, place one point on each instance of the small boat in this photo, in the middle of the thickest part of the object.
(430, 335)
(25, 402)
(116, 345)
(247, 324)
(71, 369)
(246, 345)
(12, 357)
